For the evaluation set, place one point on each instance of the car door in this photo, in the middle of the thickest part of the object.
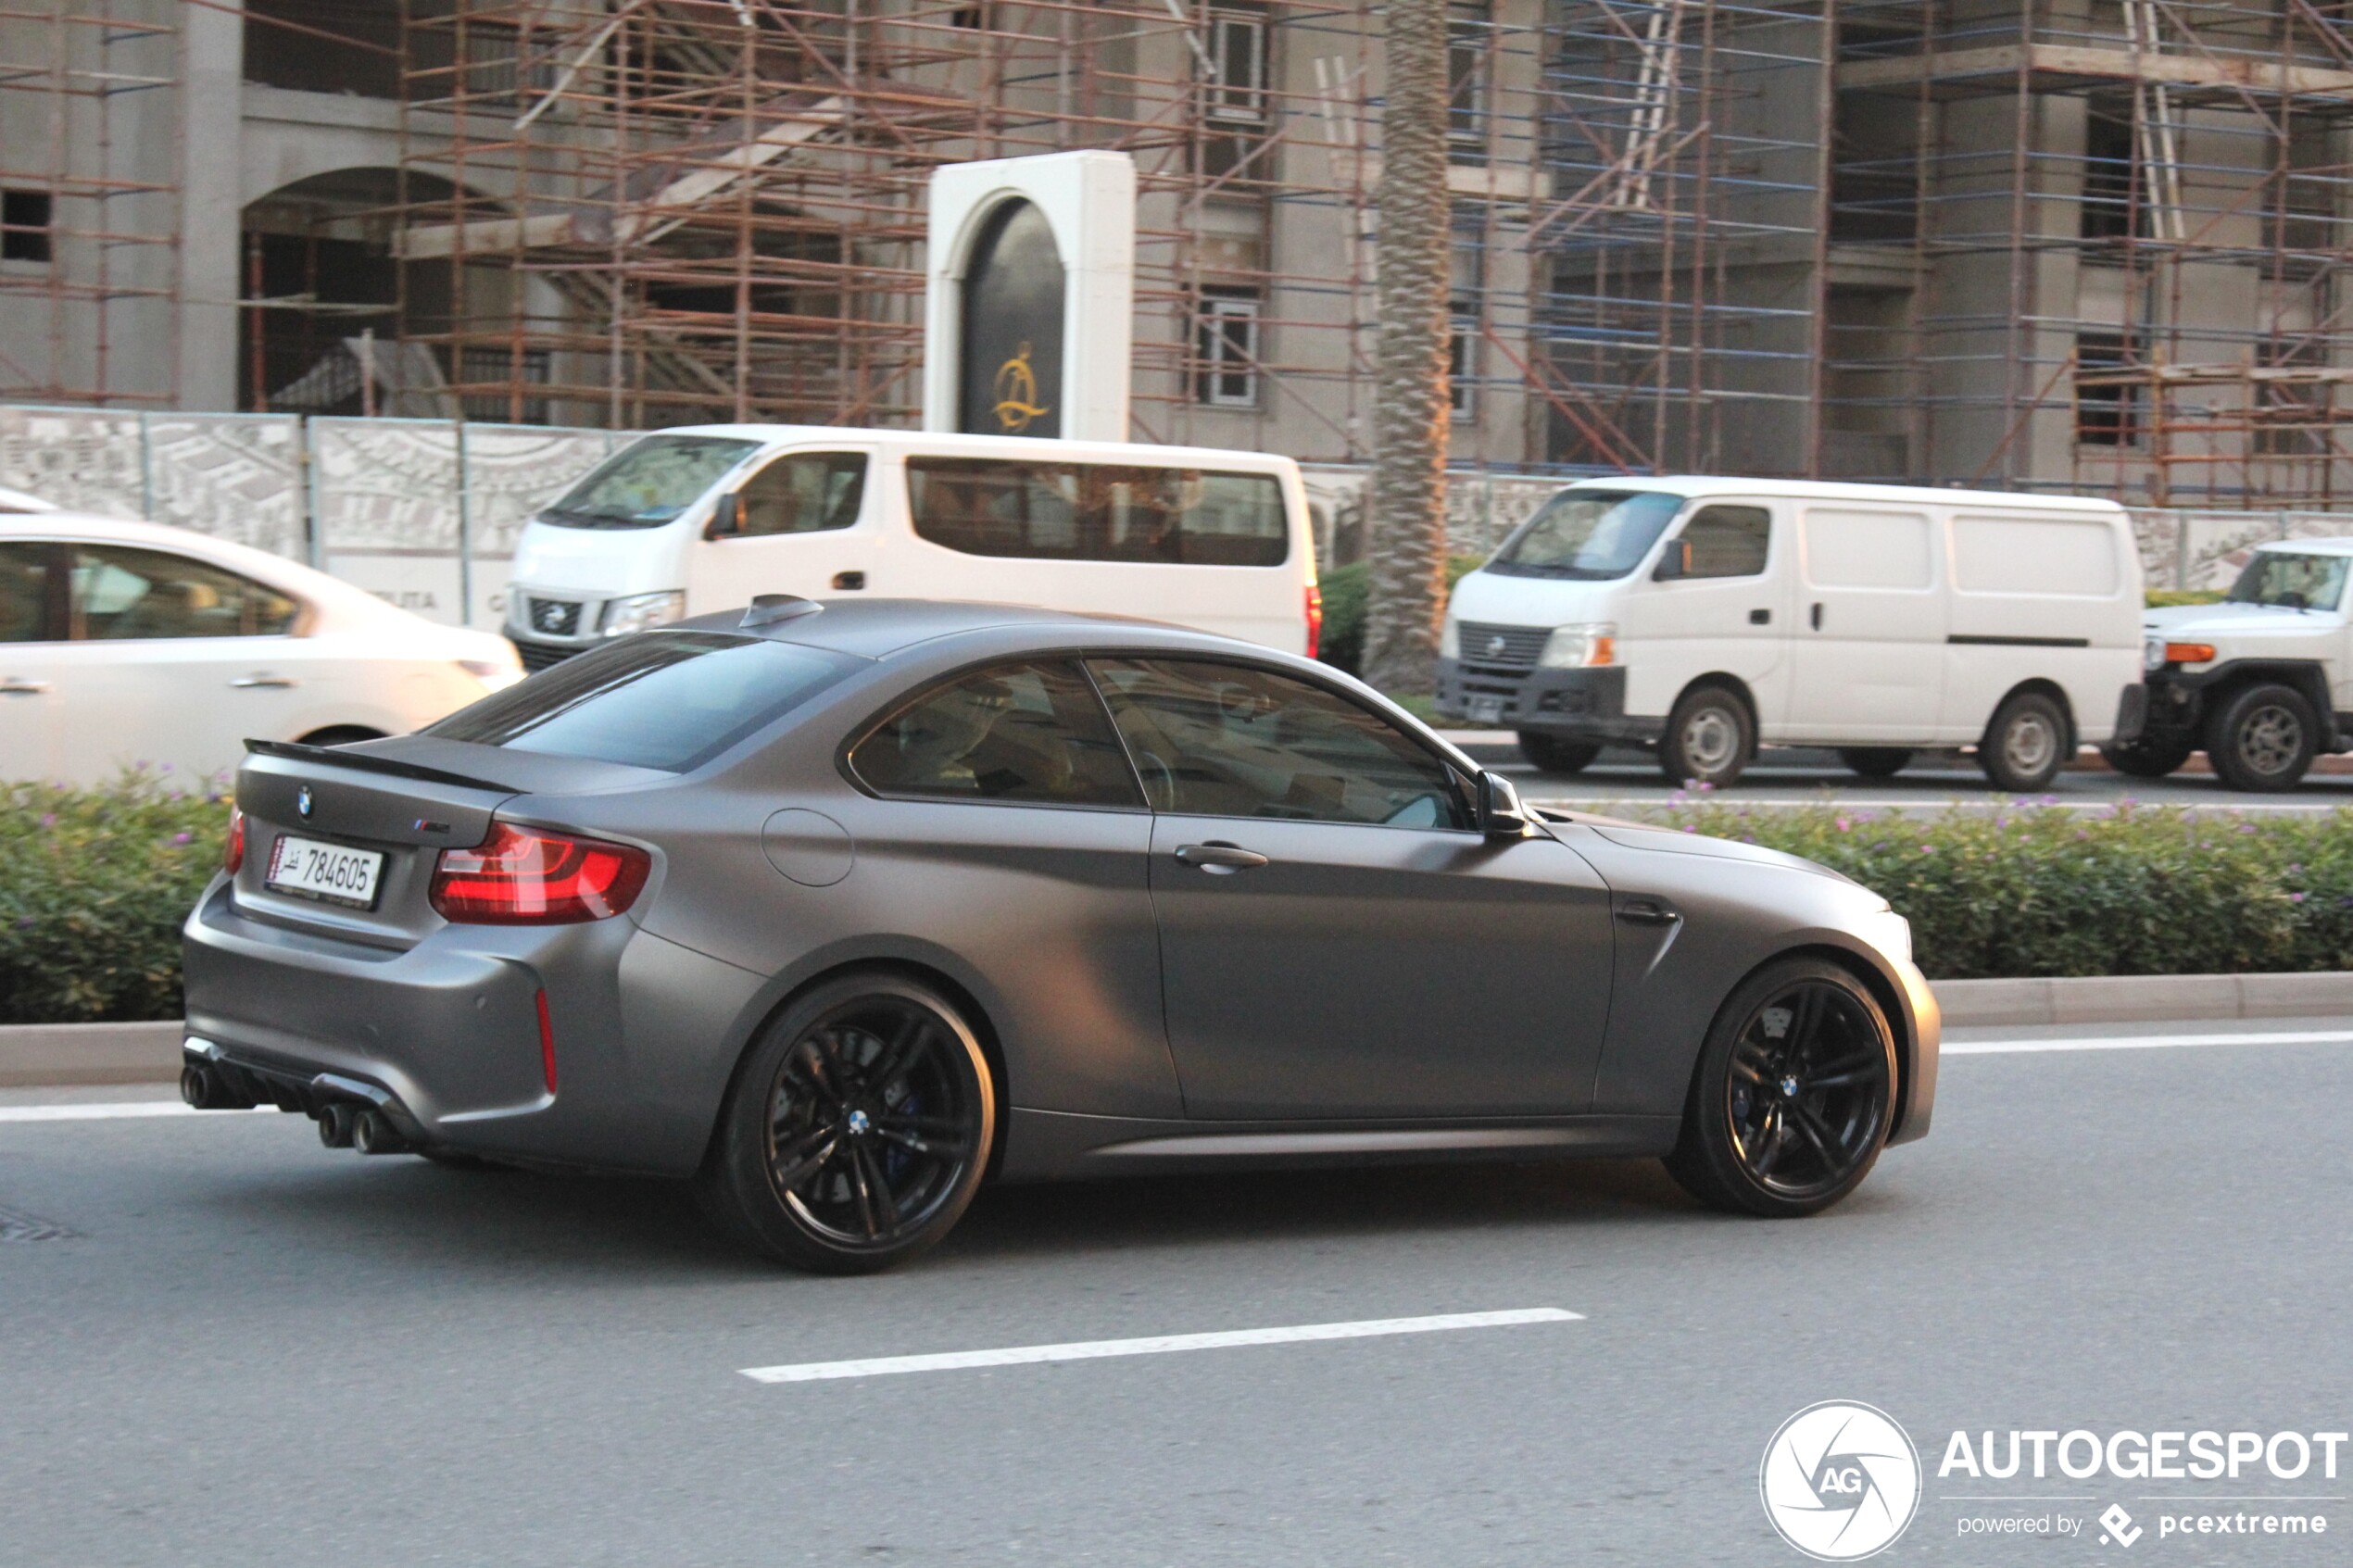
(1869, 642)
(1336, 940)
(801, 526)
(172, 663)
(1719, 606)
(32, 624)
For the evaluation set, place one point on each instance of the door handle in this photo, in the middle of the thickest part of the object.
(17, 686)
(1817, 618)
(1222, 860)
(260, 680)
(849, 581)
(1642, 911)
(1760, 618)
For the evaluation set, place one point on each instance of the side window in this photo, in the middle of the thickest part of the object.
(1028, 732)
(1730, 541)
(24, 593)
(996, 509)
(1229, 740)
(1072, 511)
(120, 593)
(805, 492)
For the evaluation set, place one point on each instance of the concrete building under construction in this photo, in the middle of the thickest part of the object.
(2081, 245)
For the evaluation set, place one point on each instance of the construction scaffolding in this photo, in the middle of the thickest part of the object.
(89, 196)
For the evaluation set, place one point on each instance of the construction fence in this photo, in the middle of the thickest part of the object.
(424, 513)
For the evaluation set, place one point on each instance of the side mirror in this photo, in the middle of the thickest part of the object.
(1500, 815)
(1676, 562)
(726, 518)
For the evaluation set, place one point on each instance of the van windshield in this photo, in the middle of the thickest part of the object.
(1588, 534)
(649, 483)
(2292, 582)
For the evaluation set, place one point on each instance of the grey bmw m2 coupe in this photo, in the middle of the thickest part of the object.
(843, 910)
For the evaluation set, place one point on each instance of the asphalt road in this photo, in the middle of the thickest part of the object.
(253, 1351)
(1801, 776)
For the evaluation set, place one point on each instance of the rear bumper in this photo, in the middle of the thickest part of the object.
(446, 1032)
(1582, 705)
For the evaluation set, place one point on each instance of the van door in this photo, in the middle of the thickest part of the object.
(803, 526)
(32, 629)
(1869, 646)
(1727, 612)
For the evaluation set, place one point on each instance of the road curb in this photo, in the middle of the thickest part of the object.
(64, 1055)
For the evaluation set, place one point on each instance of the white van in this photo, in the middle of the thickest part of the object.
(1703, 617)
(702, 518)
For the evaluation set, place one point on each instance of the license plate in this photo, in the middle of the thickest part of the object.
(328, 872)
(1487, 710)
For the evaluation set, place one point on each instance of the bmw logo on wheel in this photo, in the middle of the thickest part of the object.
(302, 802)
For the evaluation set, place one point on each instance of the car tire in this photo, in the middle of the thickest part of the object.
(1708, 739)
(2026, 744)
(2142, 760)
(1552, 755)
(2264, 739)
(1786, 1124)
(1875, 761)
(858, 1129)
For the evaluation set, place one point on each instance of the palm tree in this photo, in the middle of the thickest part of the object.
(1410, 402)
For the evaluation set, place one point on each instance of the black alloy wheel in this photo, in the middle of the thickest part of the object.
(1794, 1094)
(2263, 739)
(858, 1130)
(1552, 755)
(1875, 761)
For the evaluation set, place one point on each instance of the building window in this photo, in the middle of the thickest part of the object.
(1236, 68)
(2108, 209)
(2108, 407)
(1227, 347)
(1468, 31)
(25, 226)
(1461, 359)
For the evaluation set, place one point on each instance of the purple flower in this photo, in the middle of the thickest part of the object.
(2295, 897)
(48, 819)
(1843, 824)
(181, 838)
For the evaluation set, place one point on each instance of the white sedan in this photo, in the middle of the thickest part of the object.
(126, 644)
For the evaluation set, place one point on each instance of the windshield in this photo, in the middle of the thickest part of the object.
(647, 485)
(2292, 582)
(672, 700)
(1591, 534)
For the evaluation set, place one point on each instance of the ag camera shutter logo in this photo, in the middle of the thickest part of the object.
(1840, 1481)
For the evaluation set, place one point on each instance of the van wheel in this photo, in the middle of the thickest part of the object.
(1552, 755)
(2026, 743)
(1874, 761)
(2263, 739)
(1708, 739)
(2142, 760)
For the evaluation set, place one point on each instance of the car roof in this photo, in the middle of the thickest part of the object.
(1693, 485)
(877, 627)
(2336, 545)
(1046, 449)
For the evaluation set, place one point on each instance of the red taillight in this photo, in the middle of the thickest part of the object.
(522, 877)
(232, 854)
(1315, 619)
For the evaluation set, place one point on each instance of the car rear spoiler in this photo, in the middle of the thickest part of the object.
(366, 762)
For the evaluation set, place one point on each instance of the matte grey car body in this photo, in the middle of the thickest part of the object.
(1367, 991)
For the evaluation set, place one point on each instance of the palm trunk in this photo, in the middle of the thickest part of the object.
(1411, 403)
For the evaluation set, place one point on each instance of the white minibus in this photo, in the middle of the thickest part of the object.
(1703, 617)
(702, 518)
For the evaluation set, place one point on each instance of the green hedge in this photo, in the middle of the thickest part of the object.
(2040, 890)
(93, 884)
(1345, 590)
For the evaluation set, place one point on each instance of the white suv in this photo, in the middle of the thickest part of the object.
(2263, 681)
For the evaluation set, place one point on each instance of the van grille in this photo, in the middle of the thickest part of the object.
(1514, 648)
(554, 617)
(539, 656)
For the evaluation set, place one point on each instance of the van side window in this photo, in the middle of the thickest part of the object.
(1729, 541)
(1108, 512)
(805, 492)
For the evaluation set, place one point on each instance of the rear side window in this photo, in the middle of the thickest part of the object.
(121, 594)
(672, 700)
(24, 593)
(1729, 541)
(1030, 733)
(1099, 511)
